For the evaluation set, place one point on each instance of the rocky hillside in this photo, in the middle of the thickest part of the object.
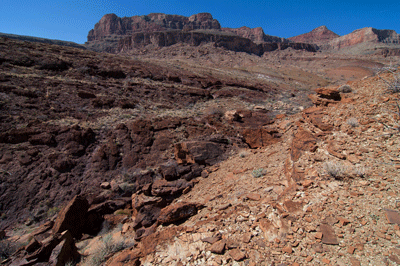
(122, 35)
(113, 161)
(196, 153)
(320, 35)
(324, 194)
(42, 40)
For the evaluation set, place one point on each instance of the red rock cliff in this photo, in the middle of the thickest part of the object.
(111, 24)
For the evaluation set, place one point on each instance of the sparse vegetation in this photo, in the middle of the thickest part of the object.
(392, 85)
(360, 171)
(353, 122)
(339, 171)
(260, 172)
(108, 246)
(52, 211)
(396, 127)
(345, 89)
(243, 154)
(335, 169)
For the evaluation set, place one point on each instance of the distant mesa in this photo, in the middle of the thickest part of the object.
(122, 35)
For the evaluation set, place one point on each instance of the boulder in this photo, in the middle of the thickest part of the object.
(146, 216)
(303, 141)
(44, 138)
(316, 116)
(178, 212)
(168, 171)
(164, 188)
(33, 245)
(109, 206)
(72, 217)
(200, 152)
(140, 200)
(232, 115)
(57, 250)
(126, 257)
(328, 93)
(65, 252)
(260, 137)
(218, 247)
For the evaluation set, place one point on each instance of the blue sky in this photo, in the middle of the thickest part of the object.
(71, 20)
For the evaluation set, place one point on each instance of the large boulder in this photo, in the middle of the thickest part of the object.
(178, 212)
(164, 188)
(58, 249)
(72, 217)
(65, 252)
(260, 137)
(200, 152)
(325, 96)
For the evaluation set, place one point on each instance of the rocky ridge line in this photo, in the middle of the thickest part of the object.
(156, 30)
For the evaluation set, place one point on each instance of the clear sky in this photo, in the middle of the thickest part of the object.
(71, 20)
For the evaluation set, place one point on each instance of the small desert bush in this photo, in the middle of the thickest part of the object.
(107, 247)
(392, 85)
(335, 169)
(345, 89)
(53, 211)
(244, 154)
(260, 172)
(353, 122)
(360, 171)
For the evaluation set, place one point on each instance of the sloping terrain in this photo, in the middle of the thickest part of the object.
(216, 156)
(326, 194)
(41, 40)
(61, 107)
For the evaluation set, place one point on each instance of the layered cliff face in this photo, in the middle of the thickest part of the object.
(256, 34)
(120, 35)
(319, 35)
(195, 38)
(111, 24)
(365, 35)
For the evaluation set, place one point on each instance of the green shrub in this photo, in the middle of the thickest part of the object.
(260, 172)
